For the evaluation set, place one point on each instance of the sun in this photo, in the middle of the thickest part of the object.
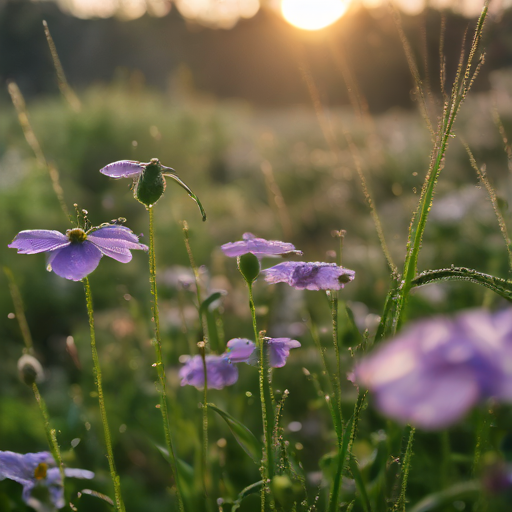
(313, 14)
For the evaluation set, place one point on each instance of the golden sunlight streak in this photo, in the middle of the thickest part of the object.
(313, 14)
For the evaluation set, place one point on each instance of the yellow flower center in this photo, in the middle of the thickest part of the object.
(76, 235)
(40, 471)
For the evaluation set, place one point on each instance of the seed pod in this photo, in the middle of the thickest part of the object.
(151, 183)
(30, 370)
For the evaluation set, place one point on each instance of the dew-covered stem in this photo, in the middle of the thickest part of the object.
(159, 361)
(119, 504)
(267, 413)
(204, 458)
(404, 472)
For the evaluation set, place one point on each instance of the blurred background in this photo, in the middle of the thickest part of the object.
(270, 111)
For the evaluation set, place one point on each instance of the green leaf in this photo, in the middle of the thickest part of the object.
(177, 179)
(496, 284)
(434, 500)
(210, 300)
(243, 435)
(354, 468)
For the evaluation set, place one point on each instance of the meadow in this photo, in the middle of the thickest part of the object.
(299, 175)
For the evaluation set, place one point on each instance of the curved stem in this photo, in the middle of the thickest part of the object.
(159, 361)
(267, 413)
(119, 504)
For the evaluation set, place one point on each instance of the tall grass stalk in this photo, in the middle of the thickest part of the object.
(118, 500)
(267, 411)
(159, 361)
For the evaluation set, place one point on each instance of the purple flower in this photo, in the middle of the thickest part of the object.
(436, 370)
(241, 350)
(258, 246)
(77, 253)
(219, 372)
(37, 472)
(309, 276)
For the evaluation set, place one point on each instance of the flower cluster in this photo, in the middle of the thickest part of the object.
(77, 253)
(435, 371)
(220, 370)
(39, 476)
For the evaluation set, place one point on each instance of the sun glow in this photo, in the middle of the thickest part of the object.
(313, 14)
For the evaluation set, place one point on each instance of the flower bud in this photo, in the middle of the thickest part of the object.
(249, 267)
(30, 370)
(151, 183)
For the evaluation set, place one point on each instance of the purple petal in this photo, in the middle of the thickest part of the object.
(219, 372)
(279, 350)
(123, 169)
(20, 467)
(310, 276)
(257, 246)
(38, 240)
(116, 242)
(75, 261)
(239, 350)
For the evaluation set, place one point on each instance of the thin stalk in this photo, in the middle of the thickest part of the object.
(204, 458)
(337, 376)
(267, 413)
(404, 472)
(50, 432)
(159, 361)
(119, 504)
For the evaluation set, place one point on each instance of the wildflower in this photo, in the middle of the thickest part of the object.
(309, 276)
(435, 371)
(258, 246)
(39, 476)
(149, 179)
(77, 253)
(219, 372)
(241, 350)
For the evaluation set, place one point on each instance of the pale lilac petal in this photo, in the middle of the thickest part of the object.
(432, 401)
(219, 372)
(279, 350)
(20, 467)
(38, 240)
(309, 276)
(116, 242)
(239, 350)
(75, 261)
(123, 169)
(258, 246)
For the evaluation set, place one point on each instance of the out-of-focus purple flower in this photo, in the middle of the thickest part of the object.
(258, 246)
(77, 253)
(123, 169)
(219, 372)
(241, 350)
(39, 476)
(436, 370)
(309, 276)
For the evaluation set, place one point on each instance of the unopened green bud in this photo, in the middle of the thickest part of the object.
(30, 370)
(151, 183)
(249, 267)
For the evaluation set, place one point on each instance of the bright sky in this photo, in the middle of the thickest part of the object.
(306, 14)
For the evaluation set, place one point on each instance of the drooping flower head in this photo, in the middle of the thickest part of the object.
(219, 372)
(259, 247)
(39, 476)
(149, 179)
(309, 276)
(433, 372)
(241, 350)
(77, 253)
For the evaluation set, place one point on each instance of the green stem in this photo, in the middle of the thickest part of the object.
(337, 377)
(50, 432)
(404, 472)
(159, 361)
(267, 413)
(204, 458)
(119, 504)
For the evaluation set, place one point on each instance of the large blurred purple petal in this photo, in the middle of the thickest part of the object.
(116, 242)
(219, 372)
(239, 350)
(75, 261)
(429, 401)
(122, 169)
(38, 240)
(20, 467)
